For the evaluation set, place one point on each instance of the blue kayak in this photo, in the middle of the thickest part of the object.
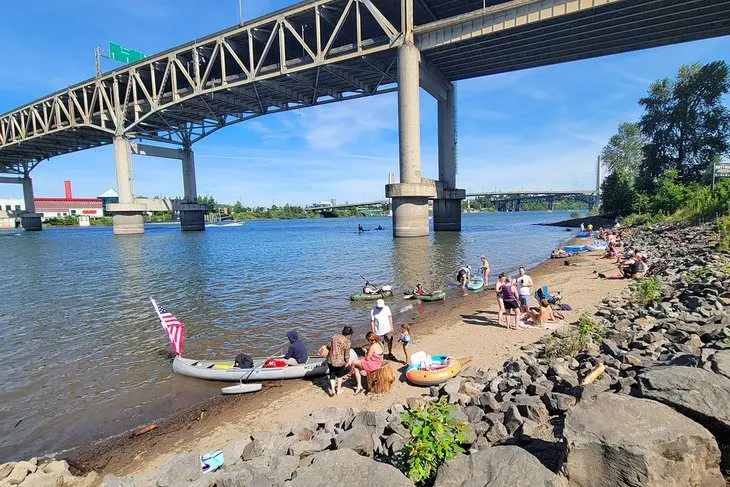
(575, 248)
(476, 283)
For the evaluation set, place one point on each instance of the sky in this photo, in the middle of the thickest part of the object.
(537, 129)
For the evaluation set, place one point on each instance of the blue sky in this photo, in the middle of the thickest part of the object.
(535, 129)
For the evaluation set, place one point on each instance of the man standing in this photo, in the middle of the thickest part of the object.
(523, 289)
(381, 323)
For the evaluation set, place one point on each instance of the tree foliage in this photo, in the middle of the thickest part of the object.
(618, 195)
(625, 150)
(210, 202)
(686, 123)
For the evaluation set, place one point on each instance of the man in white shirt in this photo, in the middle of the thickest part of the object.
(524, 283)
(381, 323)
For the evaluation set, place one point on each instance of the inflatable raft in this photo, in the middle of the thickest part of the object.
(476, 283)
(371, 297)
(434, 296)
(440, 369)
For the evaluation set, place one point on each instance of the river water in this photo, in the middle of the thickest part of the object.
(84, 356)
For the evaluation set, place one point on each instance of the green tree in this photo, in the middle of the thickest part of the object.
(669, 195)
(625, 150)
(210, 202)
(686, 123)
(618, 195)
(237, 207)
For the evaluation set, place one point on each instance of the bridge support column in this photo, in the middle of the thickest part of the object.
(192, 215)
(127, 217)
(551, 203)
(447, 206)
(410, 196)
(30, 220)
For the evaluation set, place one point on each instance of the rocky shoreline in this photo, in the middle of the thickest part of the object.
(643, 399)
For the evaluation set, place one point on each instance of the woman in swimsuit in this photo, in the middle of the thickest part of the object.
(372, 361)
(508, 293)
(498, 287)
(485, 271)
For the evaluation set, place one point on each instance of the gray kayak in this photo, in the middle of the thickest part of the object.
(224, 370)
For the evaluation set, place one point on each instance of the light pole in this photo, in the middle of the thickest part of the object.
(240, 11)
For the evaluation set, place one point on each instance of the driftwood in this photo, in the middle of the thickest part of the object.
(144, 430)
(380, 380)
(594, 374)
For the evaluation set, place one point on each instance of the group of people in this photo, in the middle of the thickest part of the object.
(514, 298)
(343, 361)
(463, 276)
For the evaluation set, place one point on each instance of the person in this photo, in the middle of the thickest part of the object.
(419, 290)
(464, 275)
(297, 352)
(369, 288)
(379, 227)
(582, 228)
(381, 324)
(338, 360)
(590, 227)
(485, 271)
(508, 293)
(360, 229)
(544, 315)
(372, 361)
(525, 283)
(500, 302)
(405, 339)
(560, 254)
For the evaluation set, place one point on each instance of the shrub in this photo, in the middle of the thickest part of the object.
(648, 290)
(569, 343)
(638, 219)
(575, 214)
(435, 439)
(723, 226)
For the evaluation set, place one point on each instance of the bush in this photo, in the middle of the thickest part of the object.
(723, 226)
(435, 439)
(569, 343)
(638, 219)
(648, 290)
(65, 221)
(574, 214)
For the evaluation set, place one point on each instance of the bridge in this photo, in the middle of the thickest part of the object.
(353, 49)
(512, 200)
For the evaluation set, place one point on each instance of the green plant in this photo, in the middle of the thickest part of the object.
(574, 214)
(648, 290)
(568, 343)
(435, 439)
(723, 226)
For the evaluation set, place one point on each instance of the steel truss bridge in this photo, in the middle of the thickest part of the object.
(512, 200)
(326, 51)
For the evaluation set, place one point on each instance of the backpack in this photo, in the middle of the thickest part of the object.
(243, 361)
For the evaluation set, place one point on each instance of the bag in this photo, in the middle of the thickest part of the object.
(243, 361)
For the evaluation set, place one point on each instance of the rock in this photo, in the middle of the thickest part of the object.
(310, 447)
(470, 389)
(696, 393)
(358, 439)
(304, 429)
(5, 469)
(375, 421)
(512, 418)
(241, 478)
(685, 360)
(500, 466)
(60, 467)
(488, 402)
(540, 388)
(416, 402)
(19, 472)
(43, 479)
(536, 412)
(271, 470)
(338, 416)
(497, 433)
(181, 470)
(345, 467)
(609, 346)
(623, 440)
(395, 443)
(557, 402)
(253, 449)
(473, 413)
(720, 363)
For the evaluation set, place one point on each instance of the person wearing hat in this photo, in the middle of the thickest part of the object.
(381, 323)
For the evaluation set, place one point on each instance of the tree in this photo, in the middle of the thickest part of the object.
(669, 195)
(237, 207)
(210, 202)
(625, 150)
(686, 123)
(618, 195)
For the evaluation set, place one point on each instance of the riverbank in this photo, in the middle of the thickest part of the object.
(463, 326)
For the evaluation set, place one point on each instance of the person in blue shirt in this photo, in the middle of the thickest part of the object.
(297, 352)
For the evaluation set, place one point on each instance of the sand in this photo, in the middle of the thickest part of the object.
(461, 326)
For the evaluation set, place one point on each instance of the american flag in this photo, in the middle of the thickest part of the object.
(175, 330)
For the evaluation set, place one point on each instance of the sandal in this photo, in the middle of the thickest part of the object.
(358, 391)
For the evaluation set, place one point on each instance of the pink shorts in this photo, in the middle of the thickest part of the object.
(371, 365)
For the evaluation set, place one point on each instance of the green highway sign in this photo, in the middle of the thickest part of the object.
(124, 54)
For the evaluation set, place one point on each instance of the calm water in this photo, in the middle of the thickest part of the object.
(85, 357)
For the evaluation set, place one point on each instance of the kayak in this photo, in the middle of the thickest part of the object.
(224, 370)
(574, 249)
(434, 296)
(241, 389)
(370, 297)
(439, 368)
(476, 283)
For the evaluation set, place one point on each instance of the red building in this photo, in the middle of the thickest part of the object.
(69, 206)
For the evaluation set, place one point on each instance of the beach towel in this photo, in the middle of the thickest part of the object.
(210, 462)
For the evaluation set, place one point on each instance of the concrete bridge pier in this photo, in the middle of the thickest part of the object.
(127, 217)
(30, 220)
(192, 215)
(447, 205)
(410, 196)
(551, 203)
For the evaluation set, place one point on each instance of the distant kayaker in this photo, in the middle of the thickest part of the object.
(419, 290)
(379, 228)
(360, 229)
(297, 352)
(381, 324)
(369, 288)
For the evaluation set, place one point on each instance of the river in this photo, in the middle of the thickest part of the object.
(84, 356)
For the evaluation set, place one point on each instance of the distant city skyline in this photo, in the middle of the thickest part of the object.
(537, 129)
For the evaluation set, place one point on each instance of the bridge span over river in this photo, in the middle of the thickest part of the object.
(353, 48)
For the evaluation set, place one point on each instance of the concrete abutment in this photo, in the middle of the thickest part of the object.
(30, 220)
(127, 217)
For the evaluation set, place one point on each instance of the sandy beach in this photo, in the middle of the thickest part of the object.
(463, 326)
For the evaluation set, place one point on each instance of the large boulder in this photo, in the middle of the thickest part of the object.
(618, 440)
(499, 466)
(345, 467)
(702, 395)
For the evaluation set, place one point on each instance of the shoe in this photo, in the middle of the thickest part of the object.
(358, 391)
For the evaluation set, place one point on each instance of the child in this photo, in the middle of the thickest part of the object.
(405, 338)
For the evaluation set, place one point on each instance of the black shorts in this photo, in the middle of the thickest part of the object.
(337, 372)
(511, 305)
